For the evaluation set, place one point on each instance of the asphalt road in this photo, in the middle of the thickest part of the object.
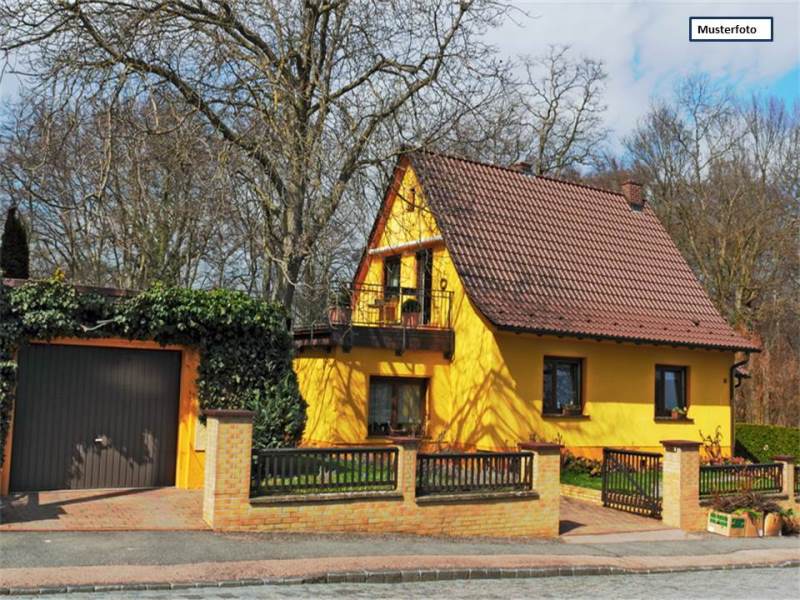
(749, 584)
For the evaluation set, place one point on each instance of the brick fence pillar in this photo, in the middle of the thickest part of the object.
(229, 441)
(681, 486)
(789, 481)
(408, 448)
(547, 481)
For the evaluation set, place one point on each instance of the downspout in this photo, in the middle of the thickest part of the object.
(732, 394)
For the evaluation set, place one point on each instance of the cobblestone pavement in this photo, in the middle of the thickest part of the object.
(750, 584)
(106, 510)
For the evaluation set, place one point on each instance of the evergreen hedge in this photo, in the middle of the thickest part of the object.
(760, 443)
(244, 345)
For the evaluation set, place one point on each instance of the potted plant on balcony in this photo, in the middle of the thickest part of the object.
(679, 412)
(410, 313)
(571, 410)
(340, 311)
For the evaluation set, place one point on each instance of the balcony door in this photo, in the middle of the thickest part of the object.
(424, 283)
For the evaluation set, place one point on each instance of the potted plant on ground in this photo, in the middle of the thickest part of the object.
(410, 313)
(774, 522)
(341, 310)
(679, 412)
(741, 515)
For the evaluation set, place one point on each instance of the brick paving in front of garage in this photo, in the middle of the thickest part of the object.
(104, 510)
(583, 518)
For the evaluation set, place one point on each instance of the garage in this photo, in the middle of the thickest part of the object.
(95, 417)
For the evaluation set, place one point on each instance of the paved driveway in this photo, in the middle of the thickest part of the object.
(108, 510)
(584, 518)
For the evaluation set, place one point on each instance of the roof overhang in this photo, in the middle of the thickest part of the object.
(624, 339)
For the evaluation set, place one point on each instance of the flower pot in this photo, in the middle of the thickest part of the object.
(734, 525)
(411, 320)
(773, 523)
(571, 410)
(338, 315)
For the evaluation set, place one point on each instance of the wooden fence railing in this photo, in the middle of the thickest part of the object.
(316, 470)
(448, 473)
(731, 479)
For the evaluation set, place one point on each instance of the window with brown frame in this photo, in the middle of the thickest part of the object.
(670, 390)
(563, 385)
(391, 276)
(396, 406)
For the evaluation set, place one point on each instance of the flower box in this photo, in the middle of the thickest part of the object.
(737, 524)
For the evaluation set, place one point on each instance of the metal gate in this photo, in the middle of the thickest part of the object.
(632, 481)
(90, 417)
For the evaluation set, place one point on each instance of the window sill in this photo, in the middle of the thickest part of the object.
(679, 420)
(567, 417)
(389, 439)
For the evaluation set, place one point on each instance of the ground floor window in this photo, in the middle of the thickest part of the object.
(396, 406)
(670, 390)
(562, 386)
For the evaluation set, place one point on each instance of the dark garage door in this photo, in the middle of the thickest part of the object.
(94, 417)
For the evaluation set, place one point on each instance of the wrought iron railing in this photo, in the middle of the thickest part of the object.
(446, 473)
(731, 479)
(375, 305)
(317, 470)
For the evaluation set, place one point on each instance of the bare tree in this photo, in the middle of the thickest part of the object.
(301, 89)
(723, 176)
(551, 116)
(109, 203)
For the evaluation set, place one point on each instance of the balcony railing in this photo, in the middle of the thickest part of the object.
(371, 305)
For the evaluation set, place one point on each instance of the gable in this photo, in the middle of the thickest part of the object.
(404, 223)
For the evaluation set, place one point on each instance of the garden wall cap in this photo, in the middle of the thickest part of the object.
(688, 444)
(404, 440)
(540, 446)
(224, 413)
(784, 458)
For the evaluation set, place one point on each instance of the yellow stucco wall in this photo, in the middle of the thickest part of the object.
(489, 396)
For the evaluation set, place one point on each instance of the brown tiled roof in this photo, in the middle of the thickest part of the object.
(547, 256)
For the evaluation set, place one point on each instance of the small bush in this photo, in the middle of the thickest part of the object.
(580, 464)
(760, 443)
(745, 501)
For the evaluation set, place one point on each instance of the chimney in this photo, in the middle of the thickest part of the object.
(633, 194)
(522, 167)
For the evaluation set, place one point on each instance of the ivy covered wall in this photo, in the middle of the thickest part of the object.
(245, 348)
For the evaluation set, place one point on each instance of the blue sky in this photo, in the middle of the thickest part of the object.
(646, 49)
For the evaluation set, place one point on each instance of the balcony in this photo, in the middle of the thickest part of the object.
(371, 315)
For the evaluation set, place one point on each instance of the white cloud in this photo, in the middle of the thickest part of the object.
(645, 46)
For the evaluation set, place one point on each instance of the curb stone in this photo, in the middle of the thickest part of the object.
(385, 576)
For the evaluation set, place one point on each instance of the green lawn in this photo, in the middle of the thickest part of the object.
(581, 479)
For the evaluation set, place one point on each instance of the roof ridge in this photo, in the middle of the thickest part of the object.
(512, 170)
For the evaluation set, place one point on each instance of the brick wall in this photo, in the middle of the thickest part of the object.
(228, 507)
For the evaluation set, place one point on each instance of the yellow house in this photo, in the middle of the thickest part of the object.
(493, 307)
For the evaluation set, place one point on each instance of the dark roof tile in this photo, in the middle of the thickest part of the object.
(542, 255)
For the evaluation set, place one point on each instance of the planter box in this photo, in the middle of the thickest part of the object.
(735, 525)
